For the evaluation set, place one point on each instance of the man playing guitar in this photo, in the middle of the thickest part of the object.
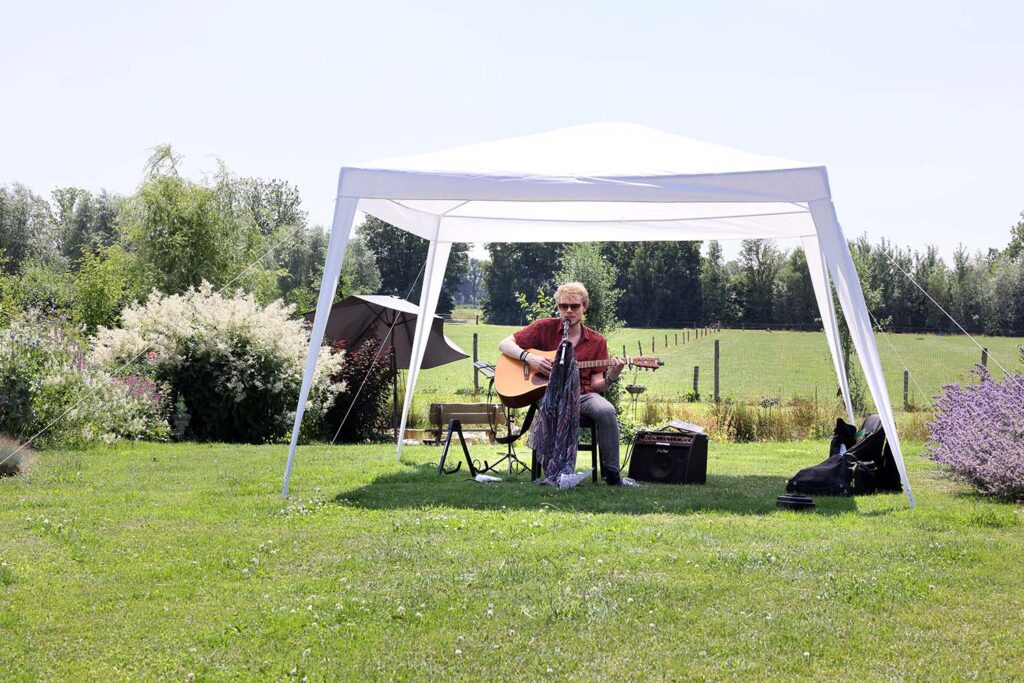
(545, 335)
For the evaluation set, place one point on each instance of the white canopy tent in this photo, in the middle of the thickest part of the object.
(602, 182)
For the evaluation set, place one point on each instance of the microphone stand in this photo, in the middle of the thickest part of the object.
(565, 338)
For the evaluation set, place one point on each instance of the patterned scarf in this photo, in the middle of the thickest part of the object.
(555, 434)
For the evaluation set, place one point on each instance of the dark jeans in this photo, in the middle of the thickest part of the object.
(596, 407)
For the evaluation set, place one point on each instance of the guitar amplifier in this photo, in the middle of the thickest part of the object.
(670, 457)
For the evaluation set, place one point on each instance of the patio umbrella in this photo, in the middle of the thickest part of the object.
(361, 316)
(353, 319)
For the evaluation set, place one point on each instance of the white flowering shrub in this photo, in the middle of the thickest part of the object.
(47, 392)
(234, 365)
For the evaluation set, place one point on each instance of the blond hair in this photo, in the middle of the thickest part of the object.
(575, 289)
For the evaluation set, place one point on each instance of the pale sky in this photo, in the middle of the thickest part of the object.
(916, 108)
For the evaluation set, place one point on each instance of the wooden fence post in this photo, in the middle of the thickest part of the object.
(716, 370)
(696, 380)
(984, 357)
(640, 346)
(906, 389)
(677, 338)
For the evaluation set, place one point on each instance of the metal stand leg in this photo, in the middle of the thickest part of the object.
(455, 425)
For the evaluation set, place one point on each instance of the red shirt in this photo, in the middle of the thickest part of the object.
(546, 334)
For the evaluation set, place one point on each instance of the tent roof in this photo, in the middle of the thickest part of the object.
(585, 183)
(597, 150)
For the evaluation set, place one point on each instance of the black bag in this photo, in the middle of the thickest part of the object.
(868, 467)
(833, 477)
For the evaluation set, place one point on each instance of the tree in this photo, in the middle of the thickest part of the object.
(301, 263)
(796, 304)
(714, 284)
(930, 273)
(102, 288)
(583, 262)
(26, 227)
(186, 232)
(84, 223)
(269, 203)
(1004, 296)
(360, 274)
(965, 289)
(760, 262)
(471, 290)
(1016, 246)
(401, 257)
(517, 267)
(662, 285)
(620, 256)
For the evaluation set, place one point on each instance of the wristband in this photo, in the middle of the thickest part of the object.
(522, 355)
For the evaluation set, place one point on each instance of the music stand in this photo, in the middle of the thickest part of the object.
(515, 465)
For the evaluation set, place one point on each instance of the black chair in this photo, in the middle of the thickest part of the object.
(591, 446)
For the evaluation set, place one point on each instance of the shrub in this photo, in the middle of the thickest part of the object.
(733, 421)
(13, 457)
(236, 366)
(368, 374)
(46, 389)
(978, 433)
(38, 285)
(101, 288)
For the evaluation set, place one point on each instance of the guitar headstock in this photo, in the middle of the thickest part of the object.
(646, 362)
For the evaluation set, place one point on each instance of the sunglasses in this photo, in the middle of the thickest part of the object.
(566, 307)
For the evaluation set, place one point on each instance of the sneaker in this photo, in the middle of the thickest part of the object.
(621, 481)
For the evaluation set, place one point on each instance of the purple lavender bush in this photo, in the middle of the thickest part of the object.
(978, 433)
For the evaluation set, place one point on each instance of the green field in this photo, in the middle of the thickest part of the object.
(182, 562)
(754, 364)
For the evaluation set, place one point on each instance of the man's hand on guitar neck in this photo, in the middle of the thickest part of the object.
(600, 382)
(616, 368)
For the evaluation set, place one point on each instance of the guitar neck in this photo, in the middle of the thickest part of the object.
(602, 363)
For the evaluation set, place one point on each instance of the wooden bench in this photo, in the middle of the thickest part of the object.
(485, 417)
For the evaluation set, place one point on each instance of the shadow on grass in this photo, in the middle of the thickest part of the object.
(421, 487)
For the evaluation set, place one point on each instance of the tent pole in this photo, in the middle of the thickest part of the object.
(823, 294)
(394, 393)
(433, 276)
(341, 228)
(851, 297)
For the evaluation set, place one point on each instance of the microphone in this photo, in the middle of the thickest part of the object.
(565, 327)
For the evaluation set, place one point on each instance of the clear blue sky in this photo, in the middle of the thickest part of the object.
(916, 108)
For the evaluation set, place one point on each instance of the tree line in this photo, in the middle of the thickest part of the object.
(665, 284)
(86, 255)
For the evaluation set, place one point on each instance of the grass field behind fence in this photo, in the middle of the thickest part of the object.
(174, 562)
(754, 364)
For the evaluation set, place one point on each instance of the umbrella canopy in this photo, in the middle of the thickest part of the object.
(353, 320)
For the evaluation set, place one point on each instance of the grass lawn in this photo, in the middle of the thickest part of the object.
(160, 562)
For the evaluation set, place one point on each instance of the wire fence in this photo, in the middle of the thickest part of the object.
(765, 365)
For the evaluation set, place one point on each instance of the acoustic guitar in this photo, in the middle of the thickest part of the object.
(518, 385)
